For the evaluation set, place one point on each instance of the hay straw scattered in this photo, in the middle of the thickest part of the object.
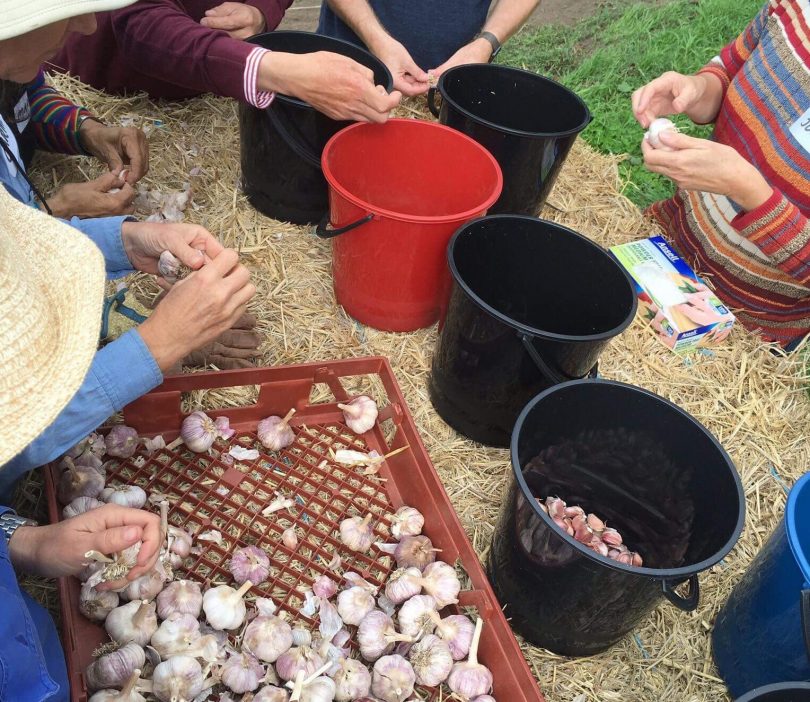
(754, 401)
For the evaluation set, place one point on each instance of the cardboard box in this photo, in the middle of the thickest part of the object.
(683, 312)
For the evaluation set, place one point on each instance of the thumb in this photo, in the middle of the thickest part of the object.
(191, 257)
(117, 539)
(417, 72)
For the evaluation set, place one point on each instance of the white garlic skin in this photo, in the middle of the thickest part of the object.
(267, 637)
(303, 658)
(439, 580)
(458, 631)
(242, 673)
(403, 584)
(198, 432)
(352, 680)
(224, 608)
(392, 679)
(354, 604)
(179, 679)
(271, 693)
(360, 414)
(274, 433)
(124, 495)
(321, 689)
(96, 605)
(80, 505)
(114, 669)
(656, 128)
(134, 621)
(356, 533)
(414, 616)
(169, 267)
(470, 680)
(301, 636)
(289, 538)
(407, 521)
(180, 597)
(431, 661)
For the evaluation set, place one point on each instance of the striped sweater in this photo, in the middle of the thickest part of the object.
(55, 120)
(758, 261)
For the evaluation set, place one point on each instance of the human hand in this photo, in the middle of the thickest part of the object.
(197, 309)
(93, 198)
(704, 165)
(477, 51)
(409, 79)
(238, 19)
(145, 241)
(333, 84)
(117, 147)
(59, 549)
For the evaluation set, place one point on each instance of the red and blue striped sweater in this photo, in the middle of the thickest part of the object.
(759, 261)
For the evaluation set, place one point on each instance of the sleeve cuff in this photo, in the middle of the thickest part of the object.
(126, 369)
(253, 96)
(105, 233)
(751, 220)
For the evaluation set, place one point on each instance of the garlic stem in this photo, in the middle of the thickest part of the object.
(473, 657)
(285, 421)
(242, 590)
(164, 523)
(298, 687)
(98, 557)
(174, 444)
(312, 677)
(366, 520)
(143, 610)
(129, 687)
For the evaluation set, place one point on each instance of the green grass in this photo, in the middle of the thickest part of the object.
(607, 56)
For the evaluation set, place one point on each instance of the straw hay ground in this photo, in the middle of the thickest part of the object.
(753, 401)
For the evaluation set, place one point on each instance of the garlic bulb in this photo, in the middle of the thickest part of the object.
(179, 679)
(275, 433)
(439, 580)
(271, 693)
(78, 481)
(656, 128)
(121, 441)
(176, 635)
(224, 607)
(267, 637)
(79, 506)
(148, 585)
(249, 563)
(403, 584)
(115, 665)
(96, 605)
(360, 414)
(134, 621)
(484, 698)
(242, 673)
(127, 694)
(354, 604)
(179, 541)
(415, 551)
(376, 635)
(113, 569)
(324, 586)
(415, 618)
(392, 679)
(302, 659)
(431, 661)
(198, 432)
(356, 533)
(91, 444)
(407, 521)
(180, 597)
(471, 679)
(457, 630)
(170, 267)
(352, 680)
(289, 538)
(90, 460)
(124, 495)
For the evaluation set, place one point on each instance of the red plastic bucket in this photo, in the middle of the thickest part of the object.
(397, 192)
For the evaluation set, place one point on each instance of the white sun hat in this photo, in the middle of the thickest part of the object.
(22, 16)
(51, 295)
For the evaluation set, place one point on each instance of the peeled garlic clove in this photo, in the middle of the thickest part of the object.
(439, 580)
(121, 441)
(115, 665)
(78, 481)
(180, 597)
(242, 673)
(471, 679)
(356, 533)
(407, 521)
(275, 433)
(224, 607)
(457, 630)
(403, 584)
(289, 538)
(179, 679)
(249, 563)
(134, 621)
(267, 637)
(360, 414)
(596, 524)
(124, 495)
(612, 537)
(96, 605)
(637, 560)
(302, 659)
(352, 680)
(415, 618)
(198, 432)
(324, 587)
(354, 604)
(414, 551)
(126, 694)
(392, 679)
(596, 544)
(431, 660)
(80, 505)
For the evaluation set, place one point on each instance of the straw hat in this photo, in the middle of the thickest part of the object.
(22, 16)
(51, 294)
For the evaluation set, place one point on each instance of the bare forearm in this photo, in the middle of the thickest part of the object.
(508, 16)
(360, 18)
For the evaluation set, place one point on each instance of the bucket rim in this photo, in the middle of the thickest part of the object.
(792, 527)
(509, 130)
(525, 328)
(401, 216)
(297, 102)
(752, 695)
(661, 574)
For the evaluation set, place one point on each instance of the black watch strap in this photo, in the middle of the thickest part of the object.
(493, 42)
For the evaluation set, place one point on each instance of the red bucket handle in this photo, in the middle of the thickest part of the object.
(323, 231)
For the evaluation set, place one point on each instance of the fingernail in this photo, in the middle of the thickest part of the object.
(131, 533)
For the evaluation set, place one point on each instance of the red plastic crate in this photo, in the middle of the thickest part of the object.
(206, 493)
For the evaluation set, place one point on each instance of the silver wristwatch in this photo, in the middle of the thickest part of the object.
(10, 522)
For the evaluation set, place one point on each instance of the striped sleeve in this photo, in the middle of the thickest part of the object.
(254, 96)
(735, 54)
(781, 232)
(55, 120)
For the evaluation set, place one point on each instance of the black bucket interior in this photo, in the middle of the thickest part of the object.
(782, 692)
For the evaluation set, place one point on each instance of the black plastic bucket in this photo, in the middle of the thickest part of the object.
(648, 469)
(782, 692)
(533, 304)
(281, 146)
(527, 122)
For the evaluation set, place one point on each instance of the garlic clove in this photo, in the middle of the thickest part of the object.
(224, 607)
(198, 432)
(289, 538)
(271, 693)
(471, 679)
(275, 433)
(96, 605)
(301, 637)
(431, 660)
(360, 414)
(356, 533)
(324, 586)
(134, 621)
(171, 268)
(148, 585)
(179, 679)
(223, 425)
(392, 679)
(656, 128)
(249, 563)
(612, 537)
(242, 673)
(403, 584)
(114, 665)
(407, 521)
(354, 604)
(91, 444)
(80, 505)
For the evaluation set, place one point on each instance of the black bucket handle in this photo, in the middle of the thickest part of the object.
(431, 101)
(685, 604)
(323, 231)
(805, 604)
(555, 376)
(303, 151)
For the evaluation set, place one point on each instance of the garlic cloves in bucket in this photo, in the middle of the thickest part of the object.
(392, 679)
(242, 673)
(114, 666)
(407, 521)
(457, 630)
(127, 694)
(179, 679)
(352, 680)
(78, 481)
(356, 533)
(249, 563)
(96, 605)
(180, 597)
(124, 495)
(198, 432)
(224, 607)
(471, 679)
(354, 604)
(431, 660)
(275, 433)
(134, 621)
(360, 414)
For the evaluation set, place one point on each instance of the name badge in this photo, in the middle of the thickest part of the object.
(22, 113)
(800, 130)
(10, 143)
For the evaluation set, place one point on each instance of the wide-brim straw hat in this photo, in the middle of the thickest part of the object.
(51, 295)
(22, 16)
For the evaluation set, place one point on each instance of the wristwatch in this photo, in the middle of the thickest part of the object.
(10, 522)
(493, 42)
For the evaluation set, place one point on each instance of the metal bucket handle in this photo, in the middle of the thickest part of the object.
(302, 150)
(685, 604)
(323, 231)
(431, 101)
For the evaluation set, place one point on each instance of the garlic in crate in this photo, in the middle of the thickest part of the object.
(416, 616)
(115, 665)
(80, 505)
(271, 693)
(198, 432)
(431, 660)
(407, 521)
(304, 659)
(354, 604)
(92, 444)
(124, 495)
(439, 580)
(392, 679)
(224, 607)
(127, 694)
(96, 605)
(180, 635)
(249, 563)
(411, 551)
(352, 680)
(78, 481)
(180, 597)
(134, 621)
(403, 584)
(267, 637)
(376, 635)
(148, 585)
(484, 698)
(457, 630)
(289, 538)
(242, 673)
(360, 414)
(179, 679)
(471, 679)
(324, 586)
(356, 533)
(275, 433)
(121, 441)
